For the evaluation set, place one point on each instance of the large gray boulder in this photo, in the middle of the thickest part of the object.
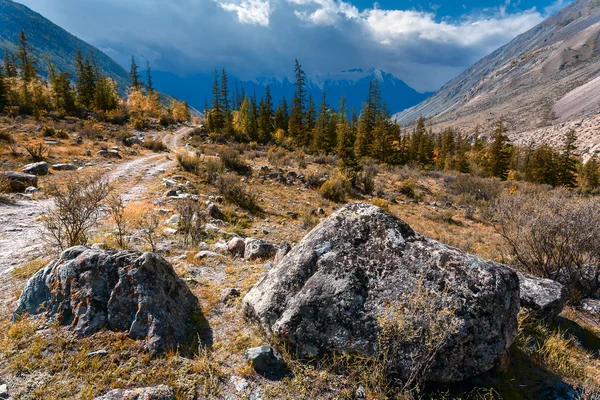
(259, 249)
(91, 289)
(543, 298)
(161, 392)
(19, 181)
(38, 168)
(363, 266)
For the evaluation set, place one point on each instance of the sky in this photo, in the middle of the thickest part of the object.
(424, 43)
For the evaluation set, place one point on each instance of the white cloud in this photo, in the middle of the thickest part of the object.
(254, 12)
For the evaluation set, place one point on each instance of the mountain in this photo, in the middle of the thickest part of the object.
(538, 84)
(354, 83)
(48, 39)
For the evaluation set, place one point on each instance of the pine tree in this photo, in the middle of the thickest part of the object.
(320, 133)
(149, 83)
(541, 165)
(3, 89)
(253, 120)
(224, 100)
(106, 97)
(567, 172)
(311, 116)
(86, 79)
(266, 117)
(282, 115)
(134, 76)
(296, 125)
(217, 114)
(498, 156)
(590, 174)
(346, 136)
(26, 59)
(10, 65)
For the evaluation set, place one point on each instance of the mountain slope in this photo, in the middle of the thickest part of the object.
(354, 84)
(51, 40)
(523, 82)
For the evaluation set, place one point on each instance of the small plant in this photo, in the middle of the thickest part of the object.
(232, 190)
(38, 152)
(230, 159)
(212, 170)
(314, 180)
(335, 189)
(149, 226)
(381, 203)
(191, 221)
(156, 146)
(189, 162)
(408, 188)
(309, 219)
(116, 209)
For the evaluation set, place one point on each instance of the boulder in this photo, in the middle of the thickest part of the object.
(38, 168)
(207, 254)
(229, 294)
(109, 153)
(161, 392)
(282, 252)
(591, 306)
(237, 247)
(214, 212)
(362, 267)
(19, 181)
(259, 249)
(543, 298)
(126, 291)
(64, 167)
(265, 359)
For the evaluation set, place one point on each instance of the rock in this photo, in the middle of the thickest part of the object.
(237, 247)
(126, 291)
(161, 392)
(64, 167)
(4, 392)
(170, 231)
(229, 294)
(544, 298)
(174, 220)
(99, 353)
(171, 193)
(31, 190)
(109, 153)
(130, 141)
(591, 306)
(282, 252)
(259, 249)
(330, 292)
(214, 212)
(170, 183)
(38, 168)
(207, 254)
(265, 359)
(19, 181)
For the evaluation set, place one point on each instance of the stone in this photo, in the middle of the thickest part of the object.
(130, 141)
(229, 294)
(361, 265)
(207, 254)
(265, 359)
(173, 220)
(19, 181)
(282, 252)
(31, 190)
(38, 168)
(161, 392)
(4, 392)
(214, 212)
(64, 167)
(237, 247)
(126, 291)
(99, 353)
(591, 306)
(259, 249)
(109, 153)
(171, 193)
(543, 298)
(170, 231)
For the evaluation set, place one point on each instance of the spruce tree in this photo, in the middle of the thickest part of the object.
(282, 115)
(346, 137)
(3, 89)
(86, 80)
(253, 120)
(321, 128)
(26, 59)
(217, 114)
(149, 83)
(296, 125)
(266, 117)
(497, 162)
(567, 172)
(10, 65)
(590, 174)
(134, 75)
(224, 100)
(106, 97)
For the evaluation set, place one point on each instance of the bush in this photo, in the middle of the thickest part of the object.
(156, 146)
(231, 159)
(314, 180)
(365, 180)
(408, 188)
(77, 209)
(232, 190)
(481, 189)
(38, 152)
(189, 162)
(335, 189)
(555, 236)
(191, 221)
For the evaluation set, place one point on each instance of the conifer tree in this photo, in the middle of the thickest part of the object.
(224, 100)
(567, 172)
(149, 83)
(106, 97)
(497, 162)
(26, 59)
(320, 133)
(266, 117)
(311, 116)
(253, 120)
(346, 136)
(134, 75)
(3, 89)
(217, 116)
(10, 65)
(86, 79)
(296, 127)
(541, 165)
(590, 174)
(282, 115)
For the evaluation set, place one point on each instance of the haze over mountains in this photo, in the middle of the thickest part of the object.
(541, 84)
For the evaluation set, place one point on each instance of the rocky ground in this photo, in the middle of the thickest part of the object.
(39, 358)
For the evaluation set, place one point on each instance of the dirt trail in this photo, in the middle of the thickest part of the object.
(19, 226)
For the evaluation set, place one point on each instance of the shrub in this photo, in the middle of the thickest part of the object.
(191, 221)
(231, 159)
(212, 170)
(408, 188)
(38, 152)
(481, 189)
(77, 209)
(189, 162)
(365, 180)
(555, 236)
(156, 146)
(148, 226)
(335, 189)
(314, 180)
(232, 190)
(309, 219)
(116, 210)
(381, 203)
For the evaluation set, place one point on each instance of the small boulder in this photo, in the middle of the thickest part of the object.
(544, 298)
(214, 212)
(207, 254)
(109, 153)
(161, 392)
(31, 190)
(171, 193)
(229, 294)
(19, 181)
(265, 359)
(173, 220)
(126, 291)
(237, 247)
(4, 392)
(259, 249)
(282, 252)
(591, 306)
(64, 167)
(355, 274)
(38, 168)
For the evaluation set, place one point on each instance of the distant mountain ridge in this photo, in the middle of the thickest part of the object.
(48, 39)
(353, 83)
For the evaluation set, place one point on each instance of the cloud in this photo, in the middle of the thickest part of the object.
(255, 37)
(255, 12)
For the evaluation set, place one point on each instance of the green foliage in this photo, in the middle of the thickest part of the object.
(499, 153)
(335, 189)
(296, 125)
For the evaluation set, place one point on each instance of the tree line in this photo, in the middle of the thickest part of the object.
(23, 89)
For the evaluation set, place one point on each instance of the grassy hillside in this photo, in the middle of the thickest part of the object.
(50, 40)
